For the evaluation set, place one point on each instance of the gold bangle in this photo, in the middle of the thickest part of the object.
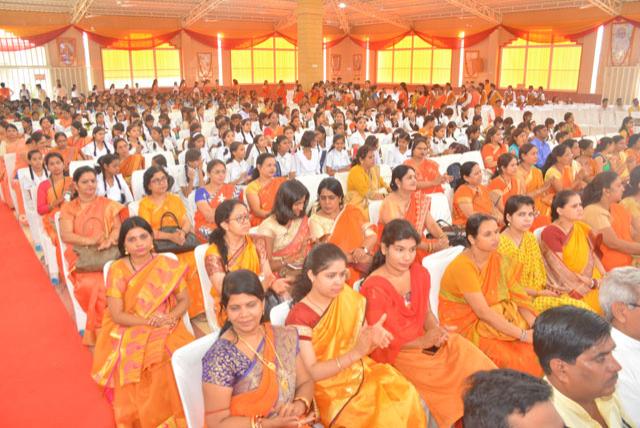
(307, 403)
(338, 364)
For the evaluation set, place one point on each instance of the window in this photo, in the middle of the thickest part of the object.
(554, 65)
(273, 60)
(412, 60)
(126, 67)
(28, 66)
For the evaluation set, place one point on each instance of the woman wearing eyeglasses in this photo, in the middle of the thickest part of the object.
(232, 249)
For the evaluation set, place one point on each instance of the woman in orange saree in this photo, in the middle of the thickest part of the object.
(481, 295)
(532, 181)
(607, 217)
(88, 220)
(153, 207)
(471, 196)
(559, 174)
(435, 361)
(429, 178)
(128, 162)
(406, 202)
(69, 153)
(504, 182)
(345, 226)
(261, 191)
(492, 148)
(253, 375)
(141, 329)
(209, 197)
(351, 389)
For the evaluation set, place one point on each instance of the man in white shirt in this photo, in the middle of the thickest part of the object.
(620, 301)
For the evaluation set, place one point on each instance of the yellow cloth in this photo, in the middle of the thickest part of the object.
(574, 415)
(365, 394)
(362, 185)
(153, 214)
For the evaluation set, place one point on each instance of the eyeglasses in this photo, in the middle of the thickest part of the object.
(328, 197)
(633, 305)
(159, 180)
(241, 219)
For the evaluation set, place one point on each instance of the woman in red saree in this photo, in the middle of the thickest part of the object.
(89, 220)
(406, 202)
(481, 295)
(253, 375)
(345, 226)
(351, 390)
(429, 178)
(261, 191)
(141, 329)
(286, 231)
(434, 360)
(209, 197)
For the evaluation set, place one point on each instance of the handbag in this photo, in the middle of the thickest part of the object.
(167, 246)
(455, 234)
(90, 259)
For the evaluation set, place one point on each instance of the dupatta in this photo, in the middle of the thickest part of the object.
(129, 350)
(621, 225)
(300, 244)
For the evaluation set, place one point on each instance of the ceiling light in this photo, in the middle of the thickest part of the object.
(342, 5)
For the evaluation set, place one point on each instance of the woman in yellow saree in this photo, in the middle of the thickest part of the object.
(406, 201)
(344, 226)
(253, 375)
(147, 298)
(521, 246)
(233, 249)
(532, 181)
(481, 295)
(261, 192)
(89, 220)
(351, 389)
(153, 208)
(364, 181)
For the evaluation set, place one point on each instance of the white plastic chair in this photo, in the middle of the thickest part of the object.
(134, 207)
(278, 314)
(436, 264)
(342, 177)
(187, 369)
(205, 285)
(311, 182)
(440, 208)
(137, 184)
(185, 317)
(374, 211)
(80, 315)
(73, 165)
(385, 173)
(171, 161)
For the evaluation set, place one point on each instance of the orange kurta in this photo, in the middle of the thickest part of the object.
(92, 220)
(426, 170)
(499, 283)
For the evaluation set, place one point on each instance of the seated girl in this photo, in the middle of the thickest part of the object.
(504, 182)
(436, 361)
(254, 375)
(351, 390)
(146, 299)
(111, 184)
(471, 196)
(481, 295)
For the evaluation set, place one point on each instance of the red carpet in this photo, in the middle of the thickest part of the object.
(44, 368)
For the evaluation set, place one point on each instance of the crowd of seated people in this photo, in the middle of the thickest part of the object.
(545, 285)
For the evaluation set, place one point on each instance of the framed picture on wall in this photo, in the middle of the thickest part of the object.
(66, 51)
(204, 65)
(472, 61)
(621, 39)
(336, 63)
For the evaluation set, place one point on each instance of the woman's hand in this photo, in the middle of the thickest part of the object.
(372, 337)
(436, 336)
(178, 237)
(286, 421)
(280, 286)
(295, 408)
(156, 320)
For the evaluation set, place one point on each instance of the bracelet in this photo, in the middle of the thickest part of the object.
(338, 364)
(307, 404)
(523, 335)
(252, 421)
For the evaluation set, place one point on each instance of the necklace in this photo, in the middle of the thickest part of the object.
(316, 305)
(270, 365)
(134, 266)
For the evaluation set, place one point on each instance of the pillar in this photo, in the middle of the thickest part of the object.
(309, 14)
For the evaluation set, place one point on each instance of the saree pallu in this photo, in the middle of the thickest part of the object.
(361, 185)
(131, 163)
(479, 198)
(153, 215)
(90, 221)
(426, 170)
(621, 225)
(565, 177)
(439, 378)
(136, 361)
(632, 206)
(246, 257)
(504, 189)
(300, 244)
(499, 283)
(530, 182)
(348, 234)
(203, 228)
(365, 394)
(491, 152)
(267, 195)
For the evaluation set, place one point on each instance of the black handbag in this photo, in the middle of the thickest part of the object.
(167, 246)
(455, 234)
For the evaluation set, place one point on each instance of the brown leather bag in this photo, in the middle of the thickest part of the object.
(90, 259)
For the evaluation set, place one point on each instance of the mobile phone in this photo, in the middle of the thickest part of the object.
(430, 351)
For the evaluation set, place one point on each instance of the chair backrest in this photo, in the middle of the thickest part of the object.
(174, 171)
(342, 177)
(171, 161)
(73, 165)
(278, 314)
(311, 182)
(436, 264)
(133, 207)
(440, 208)
(187, 370)
(80, 315)
(385, 173)
(386, 150)
(137, 184)
(205, 285)
(374, 211)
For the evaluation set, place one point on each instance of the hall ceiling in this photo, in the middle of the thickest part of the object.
(281, 13)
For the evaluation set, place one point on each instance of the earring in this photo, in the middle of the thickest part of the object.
(126, 253)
